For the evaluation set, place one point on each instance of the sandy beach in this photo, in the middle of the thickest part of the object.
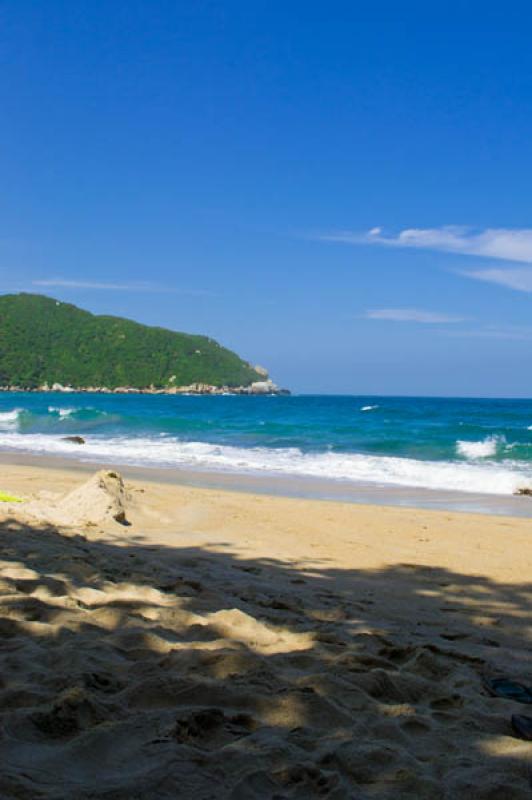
(231, 645)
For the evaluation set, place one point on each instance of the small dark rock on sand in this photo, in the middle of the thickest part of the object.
(524, 490)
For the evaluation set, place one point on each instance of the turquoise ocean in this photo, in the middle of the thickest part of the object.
(464, 445)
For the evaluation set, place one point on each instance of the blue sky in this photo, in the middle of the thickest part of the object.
(338, 191)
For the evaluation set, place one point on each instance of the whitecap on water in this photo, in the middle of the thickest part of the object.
(481, 449)
(63, 412)
(9, 419)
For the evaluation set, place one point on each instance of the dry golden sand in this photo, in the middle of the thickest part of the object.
(229, 645)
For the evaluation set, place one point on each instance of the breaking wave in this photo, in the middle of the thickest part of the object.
(482, 449)
(63, 412)
(166, 451)
(9, 419)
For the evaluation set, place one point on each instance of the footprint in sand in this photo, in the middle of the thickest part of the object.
(211, 728)
(414, 726)
(106, 683)
(72, 712)
(447, 702)
(309, 779)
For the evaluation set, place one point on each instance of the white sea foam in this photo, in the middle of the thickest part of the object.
(484, 449)
(368, 408)
(63, 412)
(9, 419)
(487, 478)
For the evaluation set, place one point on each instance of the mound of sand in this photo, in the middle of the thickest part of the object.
(99, 500)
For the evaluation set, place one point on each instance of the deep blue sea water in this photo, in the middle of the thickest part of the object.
(469, 445)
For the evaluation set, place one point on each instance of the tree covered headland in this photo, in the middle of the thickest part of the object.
(43, 341)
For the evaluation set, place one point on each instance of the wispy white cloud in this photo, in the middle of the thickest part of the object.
(134, 286)
(518, 279)
(68, 284)
(508, 244)
(511, 332)
(413, 315)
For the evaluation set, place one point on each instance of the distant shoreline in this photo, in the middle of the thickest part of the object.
(258, 388)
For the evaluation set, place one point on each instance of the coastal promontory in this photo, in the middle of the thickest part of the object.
(46, 344)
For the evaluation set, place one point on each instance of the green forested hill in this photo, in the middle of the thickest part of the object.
(46, 341)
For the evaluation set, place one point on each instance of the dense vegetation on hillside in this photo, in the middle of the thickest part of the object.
(46, 341)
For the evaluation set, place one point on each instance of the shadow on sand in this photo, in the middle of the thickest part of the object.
(153, 672)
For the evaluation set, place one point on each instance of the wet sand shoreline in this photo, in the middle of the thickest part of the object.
(292, 487)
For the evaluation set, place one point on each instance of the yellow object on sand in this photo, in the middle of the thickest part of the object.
(8, 498)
